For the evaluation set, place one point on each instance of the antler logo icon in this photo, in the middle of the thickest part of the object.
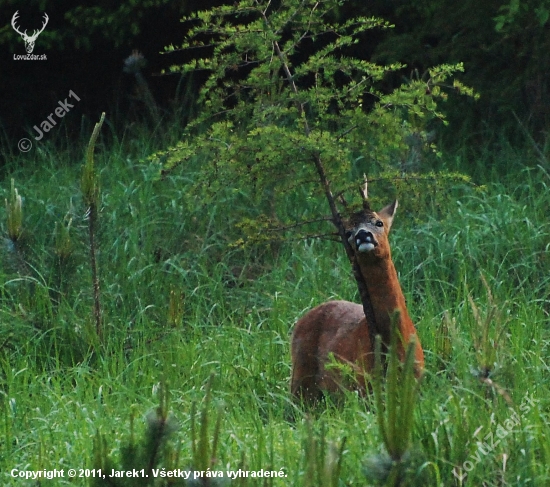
(29, 40)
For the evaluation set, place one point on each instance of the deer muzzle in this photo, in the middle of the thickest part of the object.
(365, 241)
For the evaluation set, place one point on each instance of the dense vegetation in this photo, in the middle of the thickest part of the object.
(180, 304)
(179, 359)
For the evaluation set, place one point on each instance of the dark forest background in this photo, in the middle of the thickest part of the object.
(504, 46)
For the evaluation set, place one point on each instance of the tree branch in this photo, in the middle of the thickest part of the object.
(323, 179)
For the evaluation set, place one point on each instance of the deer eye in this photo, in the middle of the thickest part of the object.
(379, 223)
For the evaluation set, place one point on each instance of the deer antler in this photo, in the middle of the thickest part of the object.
(363, 191)
(13, 19)
(36, 33)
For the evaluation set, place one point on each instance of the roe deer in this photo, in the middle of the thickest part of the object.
(339, 328)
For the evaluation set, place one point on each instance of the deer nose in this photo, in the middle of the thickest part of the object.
(364, 241)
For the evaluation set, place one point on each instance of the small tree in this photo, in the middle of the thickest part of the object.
(287, 109)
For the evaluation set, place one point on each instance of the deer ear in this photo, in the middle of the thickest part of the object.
(387, 214)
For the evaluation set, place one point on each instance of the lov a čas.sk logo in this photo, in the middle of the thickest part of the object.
(29, 39)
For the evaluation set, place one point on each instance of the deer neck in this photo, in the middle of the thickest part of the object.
(386, 297)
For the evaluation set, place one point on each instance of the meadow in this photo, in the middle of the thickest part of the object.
(184, 310)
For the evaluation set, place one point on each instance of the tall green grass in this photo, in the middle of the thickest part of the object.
(180, 303)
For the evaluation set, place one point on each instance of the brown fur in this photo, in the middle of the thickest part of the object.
(340, 329)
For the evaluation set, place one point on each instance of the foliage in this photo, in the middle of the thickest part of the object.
(323, 459)
(153, 457)
(286, 110)
(395, 414)
(117, 22)
(204, 453)
(513, 14)
(179, 305)
(502, 46)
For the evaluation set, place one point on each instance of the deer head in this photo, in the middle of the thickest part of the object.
(29, 40)
(367, 232)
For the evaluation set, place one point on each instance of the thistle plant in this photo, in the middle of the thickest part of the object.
(142, 455)
(90, 192)
(487, 335)
(203, 450)
(63, 241)
(16, 240)
(133, 64)
(395, 413)
(64, 249)
(323, 459)
(14, 212)
(175, 308)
